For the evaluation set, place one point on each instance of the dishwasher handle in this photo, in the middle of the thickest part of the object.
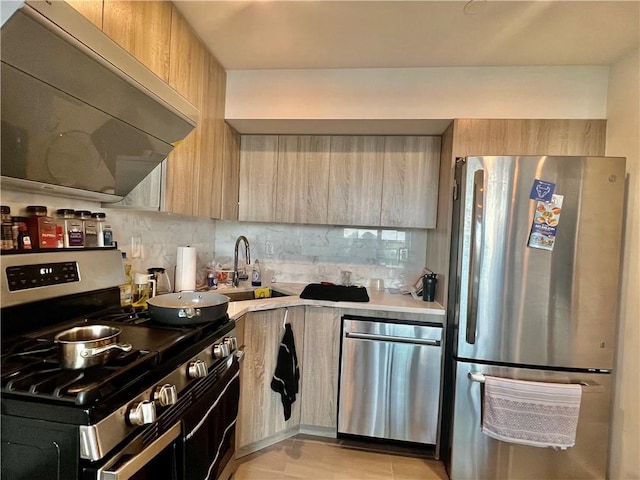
(387, 338)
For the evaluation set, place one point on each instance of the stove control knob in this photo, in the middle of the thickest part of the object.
(197, 369)
(142, 413)
(165, 395)
(221, 350)
(232, 342)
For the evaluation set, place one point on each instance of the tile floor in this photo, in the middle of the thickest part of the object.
(319, 459)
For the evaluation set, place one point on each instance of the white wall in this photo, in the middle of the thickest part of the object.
(623, 139)
(418, 93)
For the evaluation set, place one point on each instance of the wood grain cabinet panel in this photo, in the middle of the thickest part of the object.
(230, 174)
(303, 179)
(258, 173)
(143, 29)
(209, 176)
(355, 180)
(410, 184)
(261, 419)
(321, 367)
(187, 75)
(90, 9)
(351, 180)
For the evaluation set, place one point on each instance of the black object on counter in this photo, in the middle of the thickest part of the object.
(429, 287)
(335, 293)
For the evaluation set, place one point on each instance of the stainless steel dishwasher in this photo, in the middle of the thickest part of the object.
(390, 373)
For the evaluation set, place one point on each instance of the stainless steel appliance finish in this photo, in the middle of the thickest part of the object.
(24, 280)
(166, 407)
(390, 380)
(484, 457)
(547, 314)
(79, 114)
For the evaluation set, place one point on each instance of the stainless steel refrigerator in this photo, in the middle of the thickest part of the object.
(533, 296)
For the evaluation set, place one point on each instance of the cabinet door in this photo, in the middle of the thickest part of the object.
(187, 71)
(355, 180)
(321, 366)
(303, 179)
(141, 28)
(261, 420)
(258, 173)
(230, 174)
(90, 9)
(410, 182)
(209, 175)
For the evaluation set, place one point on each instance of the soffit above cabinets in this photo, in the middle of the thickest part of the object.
(339, 126)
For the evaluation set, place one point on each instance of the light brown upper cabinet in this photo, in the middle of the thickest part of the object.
(187, 75)
(209, 176)
(340, 180)
(410, 185)
(141, 28)
(303, 179)
(258, 174)
(90, 9)
(355, 180)
(190, 181)
(230, 174)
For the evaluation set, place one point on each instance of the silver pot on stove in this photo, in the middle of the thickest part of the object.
(87, 346)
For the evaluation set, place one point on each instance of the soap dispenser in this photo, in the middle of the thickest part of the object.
(256, 275)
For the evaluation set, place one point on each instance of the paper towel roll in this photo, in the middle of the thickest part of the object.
(186, 269)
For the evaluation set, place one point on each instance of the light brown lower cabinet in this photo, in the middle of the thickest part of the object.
(260, 417)
(319, 397)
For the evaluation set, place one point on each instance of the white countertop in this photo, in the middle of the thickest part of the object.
(380, 301)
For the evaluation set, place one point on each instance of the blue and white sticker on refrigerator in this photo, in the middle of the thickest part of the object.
(547, 215)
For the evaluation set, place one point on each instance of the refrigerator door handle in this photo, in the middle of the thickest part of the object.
(479, 377)
(477, 220)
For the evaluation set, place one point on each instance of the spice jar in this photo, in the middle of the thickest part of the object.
(83, 216)
(41, 228)
(107, 234)
(91, 232)
(6, 235)
(72, 235)
(22, 240)
(104, 236)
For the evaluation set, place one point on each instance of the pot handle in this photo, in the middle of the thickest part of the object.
(189, 312)
(92, 352)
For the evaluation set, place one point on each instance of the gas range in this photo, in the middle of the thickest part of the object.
(134, 398)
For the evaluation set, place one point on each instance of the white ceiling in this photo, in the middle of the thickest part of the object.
(387, 34)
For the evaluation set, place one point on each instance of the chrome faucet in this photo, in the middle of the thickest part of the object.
(247, 257)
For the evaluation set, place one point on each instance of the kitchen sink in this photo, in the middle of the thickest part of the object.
(235, 296)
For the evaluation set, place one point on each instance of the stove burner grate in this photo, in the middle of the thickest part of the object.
(42, 377)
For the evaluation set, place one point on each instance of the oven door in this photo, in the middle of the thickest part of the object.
(209, 428)
(159, 459)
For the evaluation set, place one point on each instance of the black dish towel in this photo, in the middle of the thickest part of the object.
(287, 375)
(335, 293)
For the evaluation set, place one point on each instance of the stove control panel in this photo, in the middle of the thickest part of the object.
(23, 277)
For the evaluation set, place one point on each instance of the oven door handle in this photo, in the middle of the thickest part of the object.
(134, 464)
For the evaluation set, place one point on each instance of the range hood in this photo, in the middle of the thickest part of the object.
(81, 117)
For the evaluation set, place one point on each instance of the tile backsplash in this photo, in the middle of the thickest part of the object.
(296, 253)
(313, 253)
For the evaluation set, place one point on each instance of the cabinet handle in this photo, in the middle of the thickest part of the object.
(475, 255)
(386, 338)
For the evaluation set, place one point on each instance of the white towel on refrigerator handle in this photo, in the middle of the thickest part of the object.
(531, 413)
